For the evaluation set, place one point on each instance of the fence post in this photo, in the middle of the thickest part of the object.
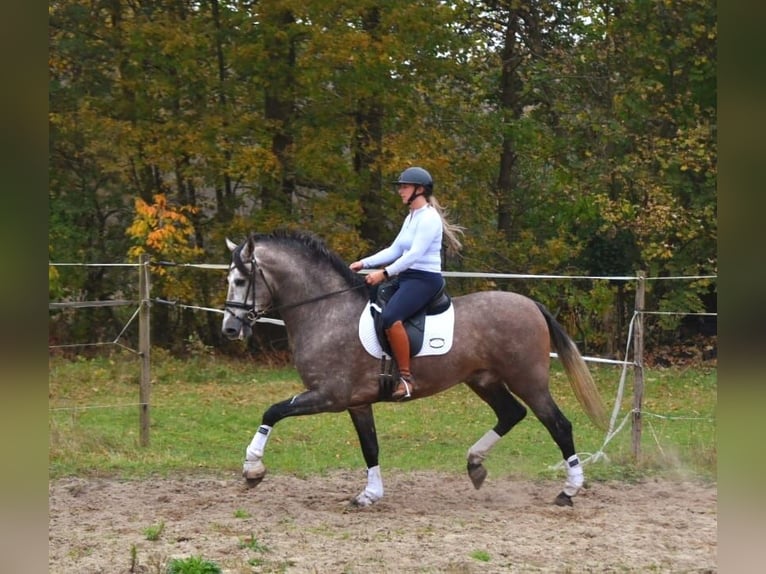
(144, 346)
(638, 366)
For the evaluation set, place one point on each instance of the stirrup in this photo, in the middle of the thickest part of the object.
(399, 394)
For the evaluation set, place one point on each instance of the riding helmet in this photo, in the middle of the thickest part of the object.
(417, 176)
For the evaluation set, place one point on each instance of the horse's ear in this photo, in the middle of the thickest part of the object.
(230, 244)
(247, 249)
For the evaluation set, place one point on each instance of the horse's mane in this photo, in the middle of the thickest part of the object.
(315, 248)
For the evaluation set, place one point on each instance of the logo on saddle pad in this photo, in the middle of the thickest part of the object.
(430, 330)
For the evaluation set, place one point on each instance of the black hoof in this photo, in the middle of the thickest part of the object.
(253, 482)
(477, 473)
(563, 500)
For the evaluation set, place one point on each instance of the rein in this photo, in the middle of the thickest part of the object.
(254, 314)
(314, 299)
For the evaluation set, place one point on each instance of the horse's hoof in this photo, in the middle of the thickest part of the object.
(563, 499)
(477, 473)
(253, 472)
(362, 500)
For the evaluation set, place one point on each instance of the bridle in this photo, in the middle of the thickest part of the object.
(253, 314)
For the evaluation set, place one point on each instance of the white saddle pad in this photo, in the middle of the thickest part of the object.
(437, 335)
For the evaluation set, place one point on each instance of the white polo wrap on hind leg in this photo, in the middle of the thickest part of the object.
(374, 488)
(479, 451)
(258, 444)
(575, 477)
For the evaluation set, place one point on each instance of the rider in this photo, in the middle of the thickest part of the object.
(415, 256)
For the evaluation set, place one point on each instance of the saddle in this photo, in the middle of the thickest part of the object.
(415, 325)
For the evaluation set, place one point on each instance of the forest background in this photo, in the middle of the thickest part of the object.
(573, 138)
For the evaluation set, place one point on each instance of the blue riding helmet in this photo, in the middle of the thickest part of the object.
(417, 176)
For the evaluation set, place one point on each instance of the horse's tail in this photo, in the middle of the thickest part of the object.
(577, 371)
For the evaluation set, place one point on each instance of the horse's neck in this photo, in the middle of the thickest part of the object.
(322, 327)
(308, 299)
(297, 282)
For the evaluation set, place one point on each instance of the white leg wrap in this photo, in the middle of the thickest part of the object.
(575, 477)
(258, 444)
(479, 451)
(374, 489)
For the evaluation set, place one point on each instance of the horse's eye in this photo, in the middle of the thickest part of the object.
(239, 282)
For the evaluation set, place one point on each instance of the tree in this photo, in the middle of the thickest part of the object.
(569, 137)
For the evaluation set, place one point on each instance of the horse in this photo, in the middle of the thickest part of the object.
(501, 351)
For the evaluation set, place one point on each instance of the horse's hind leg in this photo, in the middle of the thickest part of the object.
(509, 412)
(559, 427)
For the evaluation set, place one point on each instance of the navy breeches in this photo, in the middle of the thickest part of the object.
(416, 288)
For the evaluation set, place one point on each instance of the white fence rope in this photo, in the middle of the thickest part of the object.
(464, 274)
(52, 264)
(84, 304)
(116, 340)
(678, 313)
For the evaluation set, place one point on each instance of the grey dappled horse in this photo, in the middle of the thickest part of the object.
(501, 347)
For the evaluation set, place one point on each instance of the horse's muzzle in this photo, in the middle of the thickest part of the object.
(235, 328)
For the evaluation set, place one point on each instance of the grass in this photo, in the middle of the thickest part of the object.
(193, 565)
(480, 555)
(154, 531)
(205, 410)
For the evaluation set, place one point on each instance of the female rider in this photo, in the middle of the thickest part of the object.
(415, 256)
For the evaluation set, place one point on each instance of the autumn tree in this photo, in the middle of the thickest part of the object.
(568, 137)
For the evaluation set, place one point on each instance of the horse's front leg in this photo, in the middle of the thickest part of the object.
(308, 402)
(364, 423)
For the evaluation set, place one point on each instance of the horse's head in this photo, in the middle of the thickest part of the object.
(282, 271)
(248, 296)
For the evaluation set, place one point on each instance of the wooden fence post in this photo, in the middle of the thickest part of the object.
(144, 345)
(638, 367)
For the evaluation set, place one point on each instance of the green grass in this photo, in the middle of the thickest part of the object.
(193, 565)
(205, 410)
(480, 555)
(154, 531)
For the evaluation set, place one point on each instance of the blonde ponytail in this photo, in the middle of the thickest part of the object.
(451, 230)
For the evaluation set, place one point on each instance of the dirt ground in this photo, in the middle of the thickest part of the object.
(427, 522)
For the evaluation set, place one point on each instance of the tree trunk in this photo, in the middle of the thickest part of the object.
(510, 87)
(368, 141)
(279, 49)
(224, 194)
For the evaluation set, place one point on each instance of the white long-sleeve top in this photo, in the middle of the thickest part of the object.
(417, 246)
